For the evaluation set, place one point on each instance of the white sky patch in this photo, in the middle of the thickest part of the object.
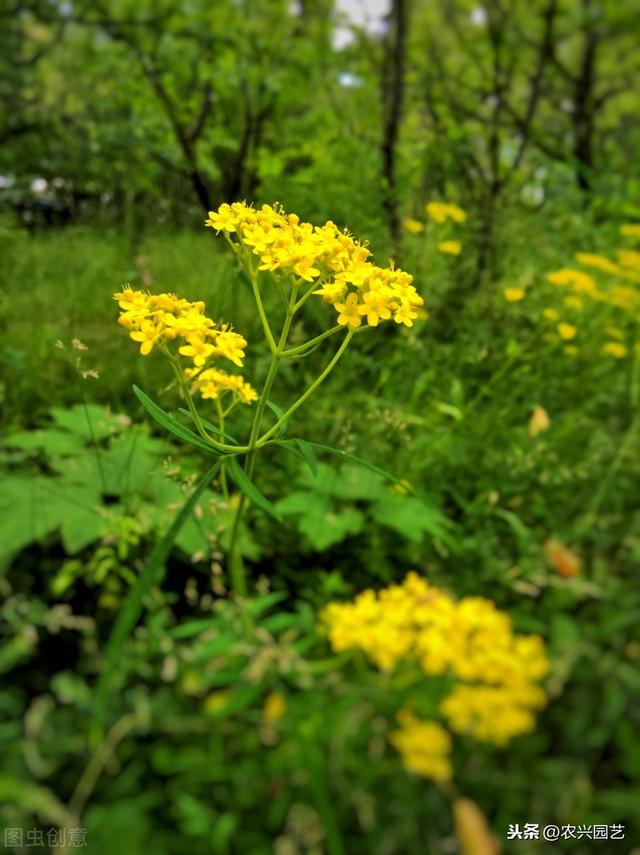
(369, 14)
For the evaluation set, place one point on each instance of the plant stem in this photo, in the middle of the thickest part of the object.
(223, 474)
(303, 349)
(319, 379)
(218, 446)
(236, 564)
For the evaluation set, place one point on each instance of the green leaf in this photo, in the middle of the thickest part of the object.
(282, 430)
(194, 627)
(133, 604)
(244, 483)
(170, 424)
(346, 456)
(91, 422)
(309, 455)
(53, 442)
(412, 518)
(319, 521)
(301, 449)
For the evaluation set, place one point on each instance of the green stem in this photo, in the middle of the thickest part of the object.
(223, 474)
(302, 349)
(319, 379)
(236, 564)
(219, 446)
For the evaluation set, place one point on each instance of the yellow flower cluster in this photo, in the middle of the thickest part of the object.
(450, 247)
(470, 640)
(325, 256)
(440, 212)
(423, 745)
(153, 320)
(212, 383)
(583, 287)
(493, 713)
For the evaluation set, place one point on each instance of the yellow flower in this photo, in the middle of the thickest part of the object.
(440, 212)
(450, 247)
(539, 421)
(306, 252)
(472, 829)
(158, 319)
(551, 314)
(573, 302)
(275, 707)
(414, 227)
(405, 315)
(630, 230)
(492, 713)
(580, 281)
(424, 747)
(217, 701)
(629, 258)
(469, 640)
(376, 305)
(567, 331)
(350, 312)
(224, 219)
(615, 349)
(514, 295)
(147, 334)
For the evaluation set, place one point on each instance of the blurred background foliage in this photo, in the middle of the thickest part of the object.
(121, 124)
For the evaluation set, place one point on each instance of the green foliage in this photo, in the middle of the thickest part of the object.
(326, 511)
(139, 116)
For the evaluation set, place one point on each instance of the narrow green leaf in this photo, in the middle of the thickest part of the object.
(282, 430)
(309, 455)
(133, 604)
(301, 449)
(170, 424)
(249, 488)
(346, 456)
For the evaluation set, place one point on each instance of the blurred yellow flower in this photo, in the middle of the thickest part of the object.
(580, 281)
(551, 314)
(275, 707)
(440, 212)
(573, 302)
(513, 294)
(452, 247)
(571, 350)
(497, 670)
(472, 830)
(630, 230)
(629, 258)
(423, 745)
(567, 331)
(615, 349)
(216, 701)
(539, 421)
(414, 227)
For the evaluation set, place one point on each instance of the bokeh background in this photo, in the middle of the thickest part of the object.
(510, 408)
